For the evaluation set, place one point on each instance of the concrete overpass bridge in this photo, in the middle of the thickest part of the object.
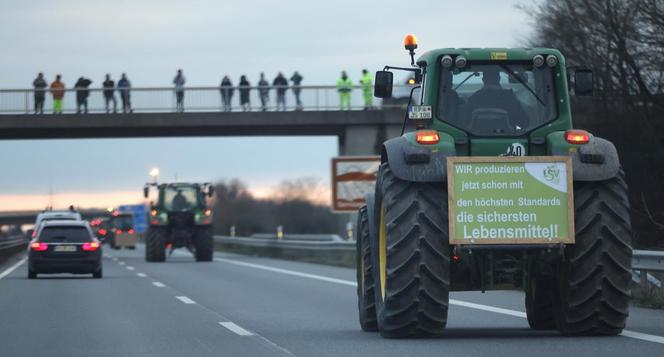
(153, 114)
(10, 218)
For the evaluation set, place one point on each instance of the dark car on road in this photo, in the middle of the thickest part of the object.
(64, 247)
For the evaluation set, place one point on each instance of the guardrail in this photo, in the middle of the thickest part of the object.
(198, 99)
(644, 261)
(9, 247)
(332, 252)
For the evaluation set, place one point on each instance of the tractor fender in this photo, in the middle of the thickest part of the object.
(417, 163)
(595, 161)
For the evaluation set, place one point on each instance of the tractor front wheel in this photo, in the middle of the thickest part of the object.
(203, 243)
(366, 297)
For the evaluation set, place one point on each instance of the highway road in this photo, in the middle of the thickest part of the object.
(250, 306)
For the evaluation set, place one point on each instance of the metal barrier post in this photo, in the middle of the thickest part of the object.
(27, 107)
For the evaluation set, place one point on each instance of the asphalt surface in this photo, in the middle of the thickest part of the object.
(250, 306)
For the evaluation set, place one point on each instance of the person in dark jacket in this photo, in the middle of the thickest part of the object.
(245, 88)
(282, 85)
(82, 93)
(109, 95)
(124, 87)
(40, 93)
(179, 81)
(296, 78)
(264, 91)
(226, 93)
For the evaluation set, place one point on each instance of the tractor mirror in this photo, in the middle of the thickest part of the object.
(146, 191)
(210, 191)
(583, 82)
(383, 84)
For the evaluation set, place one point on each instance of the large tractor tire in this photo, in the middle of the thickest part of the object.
(204, 244)
(539, 301)
(366, 297)
(155, 245)
(595, 275)
(411, 257)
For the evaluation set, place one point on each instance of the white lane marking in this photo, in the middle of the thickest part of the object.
(141, 275)
(158, 284)
(626, 333)
(121, 263)
(289, 272)
(497, 310)
(235, 328)
(115, 259)
(12, 268)
(185, 299)
(130, 268)
(643, 336)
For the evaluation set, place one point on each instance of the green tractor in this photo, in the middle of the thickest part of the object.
(510, 106)
(179, 218)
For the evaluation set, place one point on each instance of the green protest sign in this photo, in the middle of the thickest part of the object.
(510, 200)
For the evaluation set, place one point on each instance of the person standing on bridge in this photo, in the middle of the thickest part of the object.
(245, 88)
(82, 94)
(40, 93)
(367, 89)
(344, 87)
(109, 95)
(58, 93)
(179, 91)
(124, 87)
(264, 91)
(226, 93)
(282, 85)
(296, 78)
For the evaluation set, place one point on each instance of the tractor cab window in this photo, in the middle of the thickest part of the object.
(489, 99)
(180, 198)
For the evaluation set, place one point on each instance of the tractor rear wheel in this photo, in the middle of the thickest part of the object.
(595, 275)
(155, 245)
(411, 256)
(204, 244)
(366, 298)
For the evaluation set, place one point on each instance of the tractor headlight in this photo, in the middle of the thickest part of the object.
(460, 62)
(551, 60)
(447, 61)
(538, 61)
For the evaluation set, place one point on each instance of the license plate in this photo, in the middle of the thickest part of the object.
(417, 112)
(65, 248)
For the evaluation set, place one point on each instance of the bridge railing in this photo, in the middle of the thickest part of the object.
(200, 99)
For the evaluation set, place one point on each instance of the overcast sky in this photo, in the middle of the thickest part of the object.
(149, 40)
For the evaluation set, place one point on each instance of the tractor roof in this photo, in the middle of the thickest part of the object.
(490, 54)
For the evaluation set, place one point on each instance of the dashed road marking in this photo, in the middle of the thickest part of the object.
(141, 275)
(158, 284)
(235, 328)
(121, 263)
(185, 299)
(130, 268)
(12, 268)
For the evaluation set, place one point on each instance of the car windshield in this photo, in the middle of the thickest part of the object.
(65, 235)
(180, 198)
(488, 99)
(123, 222)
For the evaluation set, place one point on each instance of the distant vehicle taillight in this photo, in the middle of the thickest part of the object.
(131, 231)
(38, 246)
(102, 231)
(90, 247)
(34, 234)
(118, 231)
